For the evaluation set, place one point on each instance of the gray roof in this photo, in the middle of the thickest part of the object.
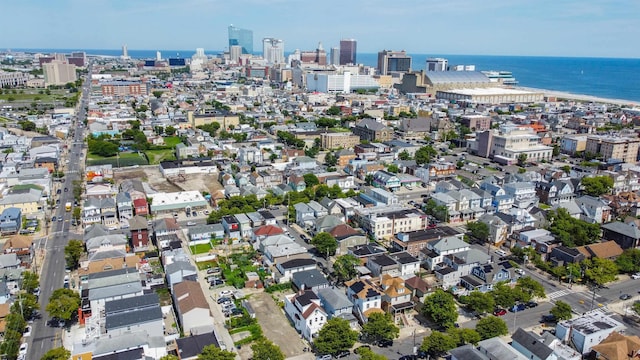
(133, 287)
(113, 240)
(499, 349)
(9, 260)
(118, 320)
(624, 229)
(179, 266)
(146, 300)
(309, 278)
(114, 277)
(468, 352)
(191, 346)
(449, 243)
(530, 342)
(371, 124)
(335, 298)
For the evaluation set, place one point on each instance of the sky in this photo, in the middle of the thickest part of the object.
(587, 28)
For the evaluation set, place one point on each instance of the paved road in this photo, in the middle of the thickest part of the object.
(52, 271)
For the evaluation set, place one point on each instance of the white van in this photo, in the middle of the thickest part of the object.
(501, 252)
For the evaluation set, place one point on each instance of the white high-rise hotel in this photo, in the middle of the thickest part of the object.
(273, 50)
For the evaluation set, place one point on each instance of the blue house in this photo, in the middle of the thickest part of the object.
(484, 277)
(11, 220)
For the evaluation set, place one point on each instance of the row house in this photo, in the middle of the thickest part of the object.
(386, 180)
(203, 234)
(366, 298)
(97, 210)
(436, 171)
(484, 277)
(456, 265)
(555, 192)
(413, 242)
(124, 206)
(385, 222)
(523, 193)
(498, 228)
(265, 180)
(432, 256)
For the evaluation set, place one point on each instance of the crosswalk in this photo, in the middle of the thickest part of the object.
(558, 294)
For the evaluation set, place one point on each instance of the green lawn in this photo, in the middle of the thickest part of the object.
(124, 160)
(200, 248)
(172, 141)
(156, 156)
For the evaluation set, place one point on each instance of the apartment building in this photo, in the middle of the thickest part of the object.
(383, 222)
(58, 73)
(572, 144)
(345, 140)
(613, 147)
(509, 143)
(13, 78)
(123, 88)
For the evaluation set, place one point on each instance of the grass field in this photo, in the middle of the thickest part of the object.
(33, 94)
(172, 141)
(124, 160)
(156, 156)
(200, 249)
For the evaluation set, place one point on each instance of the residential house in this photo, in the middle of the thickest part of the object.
(203, 234)
(467, 352)
(617, 347)
(532, 346)
(603, 250)
(264, 231)
(625, 235)
(179, 271)
(414, 241)
(111, 285)
(366, 298)
(191, 347)
(21, 245)
(106, 243)
(9, 261)
(138, 313)
(165, 226)
(386, 180)
(433, 255)
(555, 192)
(312, 280)
(245, 225)
(318, 210)
(297, 183)
(396, 297)
(304, 215)
(372, 130)
(407, 264)
(29, 201)
(593, 210)
(192, 309)
(347, 237)
(523, 193)
(100, 191)
(306, 313)
(231, 227)
(139, 228)
(10, 220)
(483, 277)
(124, 206)
(337, 304)
(140, 206)
(326, 223)
(496, 348)
(287, 268)
(588, 330)
(498, 228)
(382, 264)
(456, 265)
(561, 255)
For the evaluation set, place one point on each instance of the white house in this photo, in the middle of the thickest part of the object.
(304, 309)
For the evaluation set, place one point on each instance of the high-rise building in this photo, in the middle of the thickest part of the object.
(317, 56)
(58, 73)
(125, 52)
(335, 55)
(234, 53)
(393, 62)
(437, 64)
(158, 56)
(347, 51)
(242, 38)
(273, 50)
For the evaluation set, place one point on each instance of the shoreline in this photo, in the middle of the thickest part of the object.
(580, 97)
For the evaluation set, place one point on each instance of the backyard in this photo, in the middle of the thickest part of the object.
(236, 266)
(156, 156)
(123, 160)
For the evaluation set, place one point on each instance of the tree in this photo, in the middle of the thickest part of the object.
(264, 349)
(629, 261)
(530, 286)
(344, 267)
(597, 185)
(311, 180)
(72, 253)
(572, 232)
(27, 125)
(76, 213)
(368, 179)
(503, 295)
(438, 343)
(599, 270)
(170, 130)
(334, 111)
(30, 281)
(441, 308)
(522, 159)
(368, 354)
(491, 326)
(393, 168)
(158, 94)
(380, 327)
(425, 154)
(25, 305)
(561, 311)
(478, 230)
(330, 159)
(59, 353)
(464, 336)
(479, 302)
(335, 336)
(63, 304)
(556, 150)
(404, 155)
(325, 243)
(212, 352)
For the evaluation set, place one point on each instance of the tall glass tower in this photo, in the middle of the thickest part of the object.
(242, 38)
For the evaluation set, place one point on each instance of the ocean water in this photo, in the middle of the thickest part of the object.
(601, 77)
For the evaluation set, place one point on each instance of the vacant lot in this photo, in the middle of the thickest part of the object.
(148, 174)
(156, 156)
(278, 327)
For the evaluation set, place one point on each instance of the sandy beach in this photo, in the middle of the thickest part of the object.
(566, 95)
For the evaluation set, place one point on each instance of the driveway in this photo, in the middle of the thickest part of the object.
(275, 324)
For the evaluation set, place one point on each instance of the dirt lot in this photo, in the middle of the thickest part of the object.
(275, 325)
(152, 175)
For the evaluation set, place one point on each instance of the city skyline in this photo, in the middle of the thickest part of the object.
(599, 28)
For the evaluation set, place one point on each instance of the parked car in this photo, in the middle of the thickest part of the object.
(225, 293)
(223, 299)
(636, 276)
(23, 349)
(213, 270)
(216, 282)
(500, 312)
(194, 213)
(518, 307)
(27, 331)
(550, 318)
(408, 357)
(341, 354)
(625, 297)
(532, 304)
(191, 223)
(323, 357)
(519, 271)
(385, 343)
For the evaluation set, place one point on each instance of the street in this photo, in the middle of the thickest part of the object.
(52, 271)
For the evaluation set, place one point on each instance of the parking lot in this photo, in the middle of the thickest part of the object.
(275, 324)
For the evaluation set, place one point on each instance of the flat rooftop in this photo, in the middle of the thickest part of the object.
(489, 91)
